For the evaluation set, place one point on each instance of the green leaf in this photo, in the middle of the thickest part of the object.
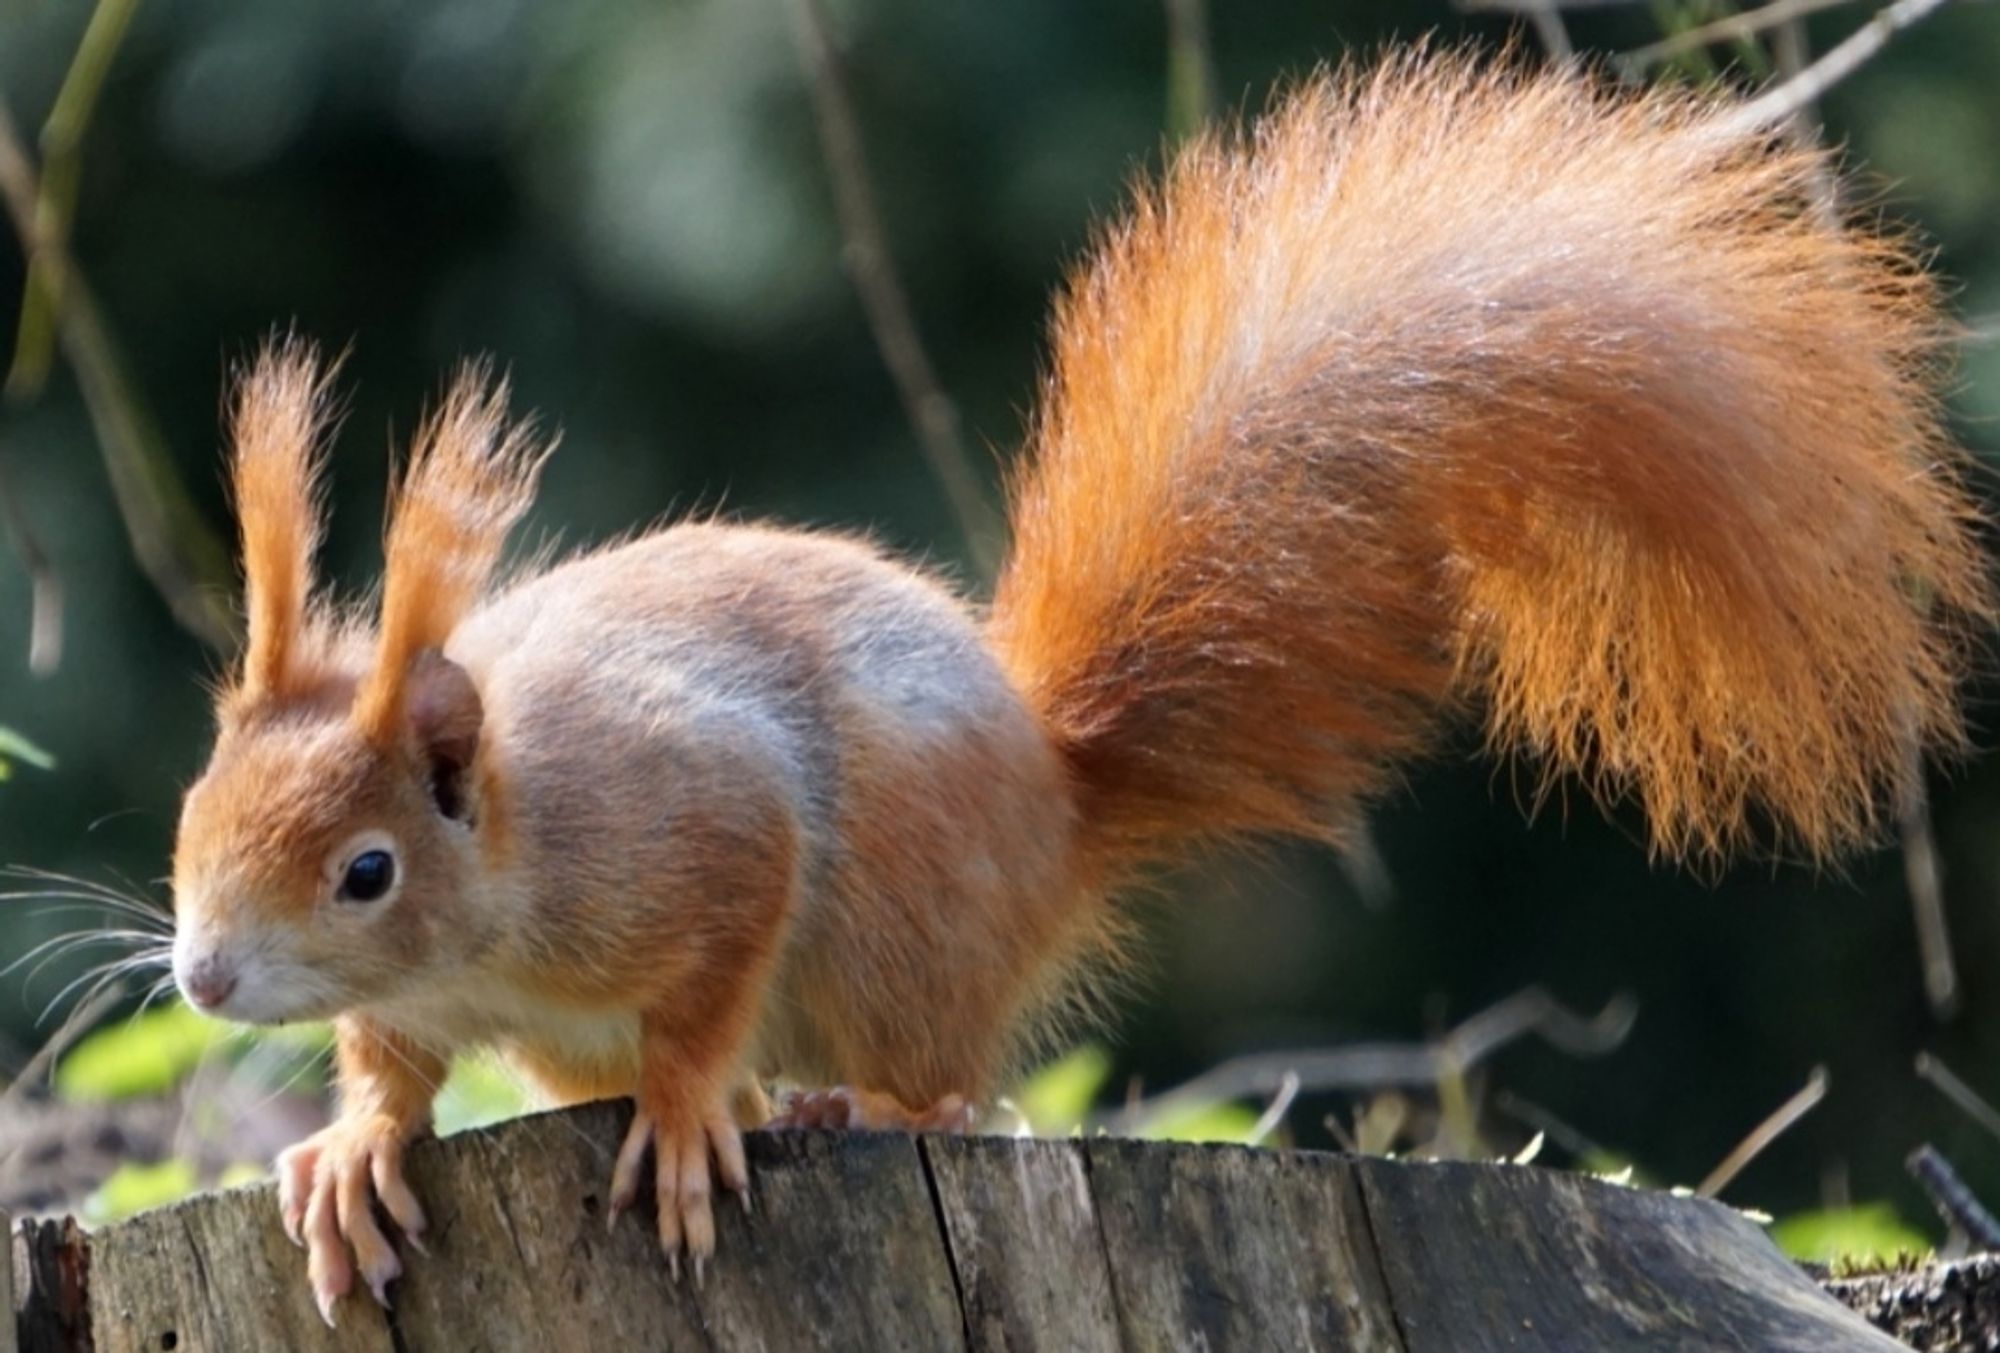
(479, 1091)
(1222, 1121)
(1871, 1231)
(134, 1188)
(15, 747)
(241, 1173)
(143, 1056)
(1055, 1099)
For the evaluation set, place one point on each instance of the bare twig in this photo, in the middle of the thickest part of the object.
(1523, 6)
(1968, 1100)
(1729, 28)
(1377, 1065)
(1954, 1201)
(1925, 878)
(1190, 68)
(930, 411)
(1765, 1133)
(1544, 15)
(1274, 1112)
(55, 205)
(1360, 859)
(1548, 21)
(45, 593)
(1789, 96)
(1791, 52)
(181, 556)
(1548, 1125)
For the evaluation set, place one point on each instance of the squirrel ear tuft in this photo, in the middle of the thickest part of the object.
(445, 715)
(469, 479)
(278, 420)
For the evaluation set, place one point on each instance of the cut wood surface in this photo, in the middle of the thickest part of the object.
(893, 1242)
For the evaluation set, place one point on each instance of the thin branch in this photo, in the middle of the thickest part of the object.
(1274, 1112)
(1765, 1133)
(1788, 97)
(55, 205)
(1792, 53)
(1954, 1202)
(1378, 1065)
(1925, 878)
(1190, 68)
(1360, 859)
(1548, 21)
(1548, 1125)
(45, 592)
(1524, 6)
(865, 247)
(1729, 28)
(1968, 1100)
(182, 557)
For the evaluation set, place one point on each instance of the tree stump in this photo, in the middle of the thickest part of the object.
(894, 1242)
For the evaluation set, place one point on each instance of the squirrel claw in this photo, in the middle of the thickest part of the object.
(329, 1186)
(689, 1151)
(379, 1276)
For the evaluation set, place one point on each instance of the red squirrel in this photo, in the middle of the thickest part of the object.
(1447, 387)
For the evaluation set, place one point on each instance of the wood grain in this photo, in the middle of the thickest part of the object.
(1512, 1257)
(1022, 1230)
(893, 1242)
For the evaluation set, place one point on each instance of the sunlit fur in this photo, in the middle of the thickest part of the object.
(1460, 385)
(255, 870)
(1441, 388)
(279, 418)
(469, 481)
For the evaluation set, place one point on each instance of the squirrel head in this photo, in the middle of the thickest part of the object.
(330, 854)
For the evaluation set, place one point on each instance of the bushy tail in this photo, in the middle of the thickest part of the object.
(1451, 382)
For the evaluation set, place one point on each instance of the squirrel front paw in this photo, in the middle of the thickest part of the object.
(682, 1141)
(327, 1186)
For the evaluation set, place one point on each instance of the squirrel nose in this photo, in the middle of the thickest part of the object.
(207, 982)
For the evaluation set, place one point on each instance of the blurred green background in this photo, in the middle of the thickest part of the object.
(626, 202)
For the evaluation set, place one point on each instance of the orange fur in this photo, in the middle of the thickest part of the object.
(277, 427)
(471, 478)
(1443, 386)
(1451, 382)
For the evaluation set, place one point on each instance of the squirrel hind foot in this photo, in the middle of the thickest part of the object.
(846, 1108)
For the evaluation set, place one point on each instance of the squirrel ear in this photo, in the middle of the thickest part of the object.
(468, 481)
(445, 714)
(278, 426)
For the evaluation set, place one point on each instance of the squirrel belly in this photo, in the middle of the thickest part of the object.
(670, 710)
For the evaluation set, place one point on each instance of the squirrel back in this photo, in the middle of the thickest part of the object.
(1455, 385)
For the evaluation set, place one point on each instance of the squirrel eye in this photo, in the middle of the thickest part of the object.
(369, 875)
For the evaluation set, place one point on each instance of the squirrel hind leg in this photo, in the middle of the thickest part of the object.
(844, 1107)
